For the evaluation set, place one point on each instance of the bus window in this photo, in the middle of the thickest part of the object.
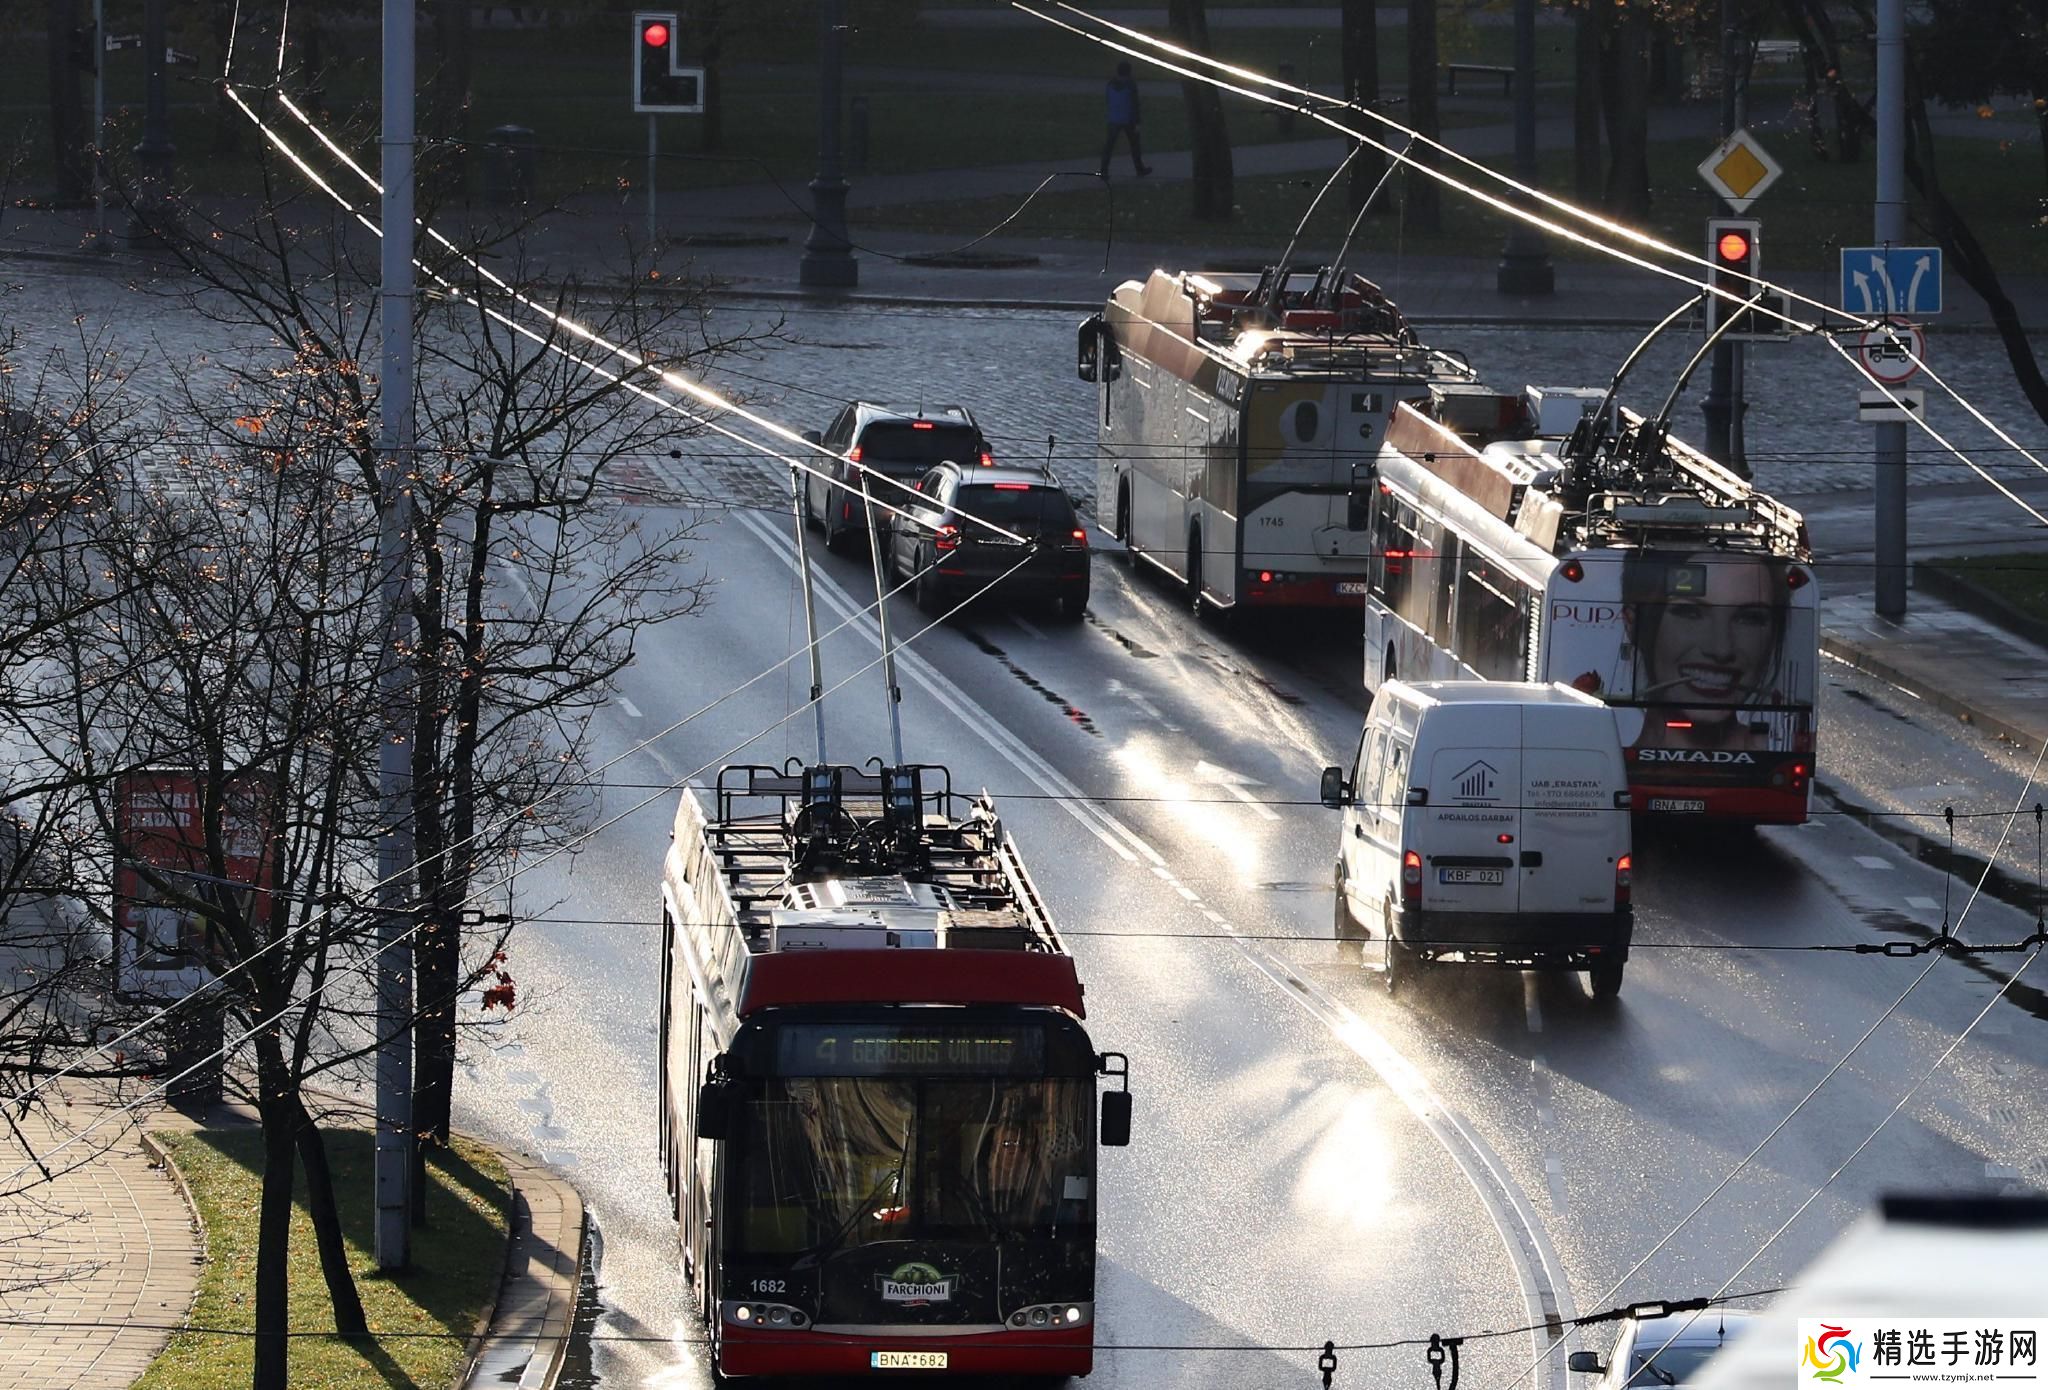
(1450, 556)
(1489, 620)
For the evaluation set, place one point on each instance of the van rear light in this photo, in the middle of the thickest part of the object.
(1418, 796)
(1622, 800)
(947, 538)
(1411, 876)
(1795, 578)
(1623, 875)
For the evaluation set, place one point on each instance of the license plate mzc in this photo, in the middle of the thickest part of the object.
(1693, 804)
(1349, 588)
(907, 1360)
(1471, 876)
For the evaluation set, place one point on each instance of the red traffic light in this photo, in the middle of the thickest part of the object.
(655, 35)
(1732, 247)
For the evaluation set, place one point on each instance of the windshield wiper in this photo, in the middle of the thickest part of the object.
(817, 1253)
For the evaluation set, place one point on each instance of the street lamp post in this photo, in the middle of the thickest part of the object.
(155, 153)
(1525, 261)
(828, 256)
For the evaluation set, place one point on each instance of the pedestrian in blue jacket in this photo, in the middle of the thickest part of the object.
(1122, 97)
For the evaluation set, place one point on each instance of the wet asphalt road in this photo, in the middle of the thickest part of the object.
(1313, 1159)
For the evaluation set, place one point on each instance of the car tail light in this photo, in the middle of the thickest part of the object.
(1077, 539)
(1411, 876)
(922, 425)
(1013, 487)
(1265, 576)
(948, 538)
(1624, 873)
(853, 454)
(988, 460)
(1572, 571)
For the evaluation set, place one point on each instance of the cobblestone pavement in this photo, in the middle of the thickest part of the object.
(109, 1242)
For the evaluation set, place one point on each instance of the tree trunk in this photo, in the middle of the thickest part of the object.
(1626, 90)
(326, 1214)
(448, 93)
(71, 175)
(1587, 104)
(1360, 46)
(1421, 203)
(1215, 189)
(227, 118)
(1967, 256)
(278, 1106)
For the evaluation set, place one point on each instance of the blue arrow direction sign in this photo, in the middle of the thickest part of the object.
(1880, 280)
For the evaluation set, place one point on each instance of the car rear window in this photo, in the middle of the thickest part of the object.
(1027, 509)
(894, 443)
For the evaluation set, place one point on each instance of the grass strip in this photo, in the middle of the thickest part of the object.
(458, 1259)
(2020, 581)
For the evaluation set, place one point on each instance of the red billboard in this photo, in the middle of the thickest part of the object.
(161, 945)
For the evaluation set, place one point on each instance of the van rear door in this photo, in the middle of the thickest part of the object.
(1475, 779)
(1571, 830)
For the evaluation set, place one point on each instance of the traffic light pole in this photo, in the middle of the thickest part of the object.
(99, 126)
(1891, 230)
(653, 137)
(1723, 406)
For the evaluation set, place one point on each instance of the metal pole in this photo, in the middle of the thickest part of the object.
(1723, 406)
(1891, 230)
(1525, 260)
(99, 126)
(803, 569)
(652, 137)
(828, 256)
(882, 617)
(394, 848)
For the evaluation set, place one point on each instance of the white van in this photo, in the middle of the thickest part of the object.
(1487, 820)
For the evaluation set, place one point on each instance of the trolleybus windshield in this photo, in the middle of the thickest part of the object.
(827, 1163)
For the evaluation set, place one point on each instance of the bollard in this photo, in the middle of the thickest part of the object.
(509, 165)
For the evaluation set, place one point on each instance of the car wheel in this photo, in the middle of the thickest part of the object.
(836, 531)
(1606, 979)
(924, 590)
(810, 509)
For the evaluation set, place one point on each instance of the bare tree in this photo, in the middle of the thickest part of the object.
(1214, 189)
(1360, 48)
(1421, 203)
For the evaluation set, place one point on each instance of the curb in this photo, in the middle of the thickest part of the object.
(1850, 654)
(536, 1299)
(1973, 599)
(160, 1157)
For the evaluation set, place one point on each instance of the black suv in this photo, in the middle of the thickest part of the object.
(952, 547)
(901, 444)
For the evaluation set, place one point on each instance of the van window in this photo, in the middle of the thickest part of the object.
(1393, 792)
(1372, 752)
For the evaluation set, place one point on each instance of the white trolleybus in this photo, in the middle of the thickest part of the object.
(878, 1104)
(1513, 540)
(1236, 414)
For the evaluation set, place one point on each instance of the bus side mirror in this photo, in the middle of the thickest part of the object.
(1335, 793)
(1115, 1130)
(1585, 1362)
(718, 1103)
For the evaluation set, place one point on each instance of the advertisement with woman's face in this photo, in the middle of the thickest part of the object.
(1711, 642)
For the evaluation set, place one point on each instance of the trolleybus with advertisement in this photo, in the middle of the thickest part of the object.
(878, 1102)
(1513, 539)
(1235, 414)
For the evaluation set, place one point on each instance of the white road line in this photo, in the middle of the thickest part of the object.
(1922, 904)
(1871, 861)
(1546, 1293)
(1532, 1010)
(632, 710)
(1028, 626)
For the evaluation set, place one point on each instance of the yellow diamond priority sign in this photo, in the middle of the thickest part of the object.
(1740, 170)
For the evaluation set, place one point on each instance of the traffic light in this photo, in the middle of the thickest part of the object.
(1732, 247)
(659, 82)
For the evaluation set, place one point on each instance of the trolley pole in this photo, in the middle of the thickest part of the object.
(1891, 230)
(394, 763)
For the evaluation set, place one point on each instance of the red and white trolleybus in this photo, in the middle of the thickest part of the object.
(1514, 539)
(878, 1103)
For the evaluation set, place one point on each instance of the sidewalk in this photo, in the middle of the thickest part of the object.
(111, 1252)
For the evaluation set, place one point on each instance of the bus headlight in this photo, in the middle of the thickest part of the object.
(1049, 1315)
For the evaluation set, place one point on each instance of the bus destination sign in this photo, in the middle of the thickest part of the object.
(859, 1049)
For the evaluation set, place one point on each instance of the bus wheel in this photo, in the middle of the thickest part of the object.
(1387, 671)
(1195, 571)
(1123, 520)
(1606, 979)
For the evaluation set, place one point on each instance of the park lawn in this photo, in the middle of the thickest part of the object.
(458, 1260)
(1808, 216)
(2020, 580)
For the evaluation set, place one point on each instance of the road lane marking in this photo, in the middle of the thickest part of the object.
(1532, 1009)
(1922, 904)
(1546, 1293)
(1871, 861)
(1237, 785)
(632, 710)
